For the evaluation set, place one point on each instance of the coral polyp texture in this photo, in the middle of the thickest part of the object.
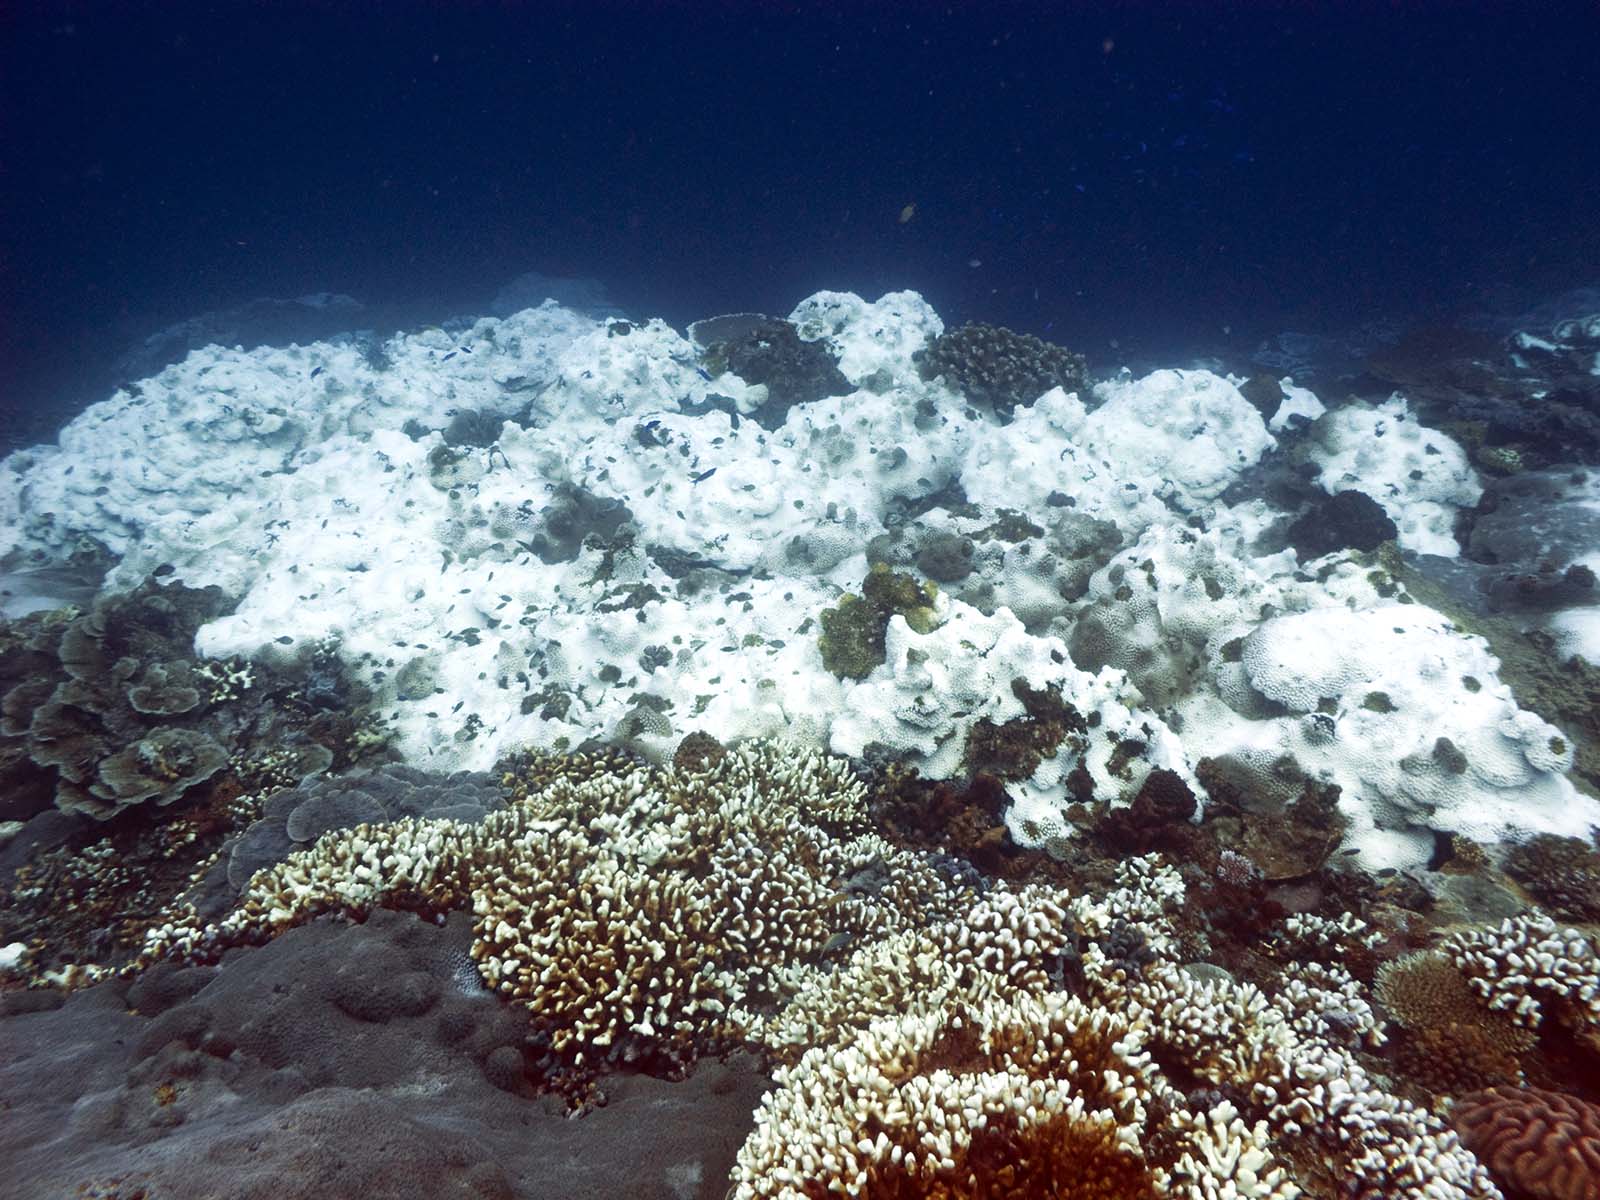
(1025, 782)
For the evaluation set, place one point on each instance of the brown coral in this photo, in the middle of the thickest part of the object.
(1543, 1145)
(1454, 1042)
(1563, 874)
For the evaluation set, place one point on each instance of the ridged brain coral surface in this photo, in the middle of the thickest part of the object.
(1543, 1145)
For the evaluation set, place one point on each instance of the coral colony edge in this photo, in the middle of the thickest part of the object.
(831, 755)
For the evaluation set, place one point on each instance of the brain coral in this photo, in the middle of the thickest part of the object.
(1546, 1145)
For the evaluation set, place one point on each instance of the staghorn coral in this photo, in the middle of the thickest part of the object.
(1545, 1145)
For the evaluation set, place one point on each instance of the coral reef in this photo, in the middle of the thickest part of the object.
(1451, 1040)
(1562, 874)
(1016, 1099)
(1528, 964)
(770, 353)
(930, 1034)
(1347, 519)
(629, 909)
(295, 817)
(338, 1060)
(1532, 393)
(984, 914)
(972, 1013)
(107, 709)
(852, 641)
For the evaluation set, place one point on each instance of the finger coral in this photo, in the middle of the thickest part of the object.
(628, 908)
(1012, 1099)
(1528, 963)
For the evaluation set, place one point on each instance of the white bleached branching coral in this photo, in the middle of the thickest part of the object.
(627, 907)
(1529, 963)
(1279, 1058)
(933, 1037)
(1028, 1097)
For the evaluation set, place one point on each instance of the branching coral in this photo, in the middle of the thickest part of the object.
(1283, 1060)
(1454, 1041)
(931, 1037)
(1528, 964)
(1019, 1098)
(628, 908)
(992, 365)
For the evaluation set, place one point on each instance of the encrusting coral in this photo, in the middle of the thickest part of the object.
(852, 640)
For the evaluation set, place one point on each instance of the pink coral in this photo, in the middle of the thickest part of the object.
(1537, 1143)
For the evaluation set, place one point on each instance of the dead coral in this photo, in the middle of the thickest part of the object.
(1284, 821)
(1158, 816)
(1015, 749)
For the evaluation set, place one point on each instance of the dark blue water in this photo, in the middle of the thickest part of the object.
(1190, 177)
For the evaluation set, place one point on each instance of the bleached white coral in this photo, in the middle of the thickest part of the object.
(1419, 475)
(1527, 963)
(1307, 934)
(931, 1095)
(1230, 1161)
(1409, 716)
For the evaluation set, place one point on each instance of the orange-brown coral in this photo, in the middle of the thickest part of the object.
(1539, 1144)
(1453, 1042)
